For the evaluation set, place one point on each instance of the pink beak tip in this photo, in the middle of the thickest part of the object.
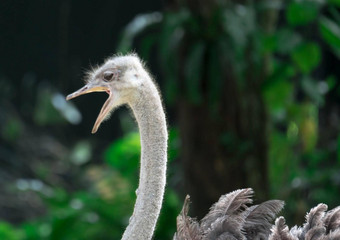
(94, 130)
(69, 97)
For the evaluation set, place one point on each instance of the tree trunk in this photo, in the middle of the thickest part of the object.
(228, 150)
(225, 153)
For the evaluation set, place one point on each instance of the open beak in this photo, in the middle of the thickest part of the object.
(95, 87)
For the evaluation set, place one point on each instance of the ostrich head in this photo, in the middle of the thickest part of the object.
(122, 77)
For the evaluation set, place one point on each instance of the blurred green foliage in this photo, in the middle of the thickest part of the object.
(302, 170)
(103, 211)
(9, 232)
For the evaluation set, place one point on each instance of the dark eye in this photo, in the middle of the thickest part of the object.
(108, 76)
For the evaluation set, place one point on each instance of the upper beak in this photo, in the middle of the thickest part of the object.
(88, 88)
(95, 87)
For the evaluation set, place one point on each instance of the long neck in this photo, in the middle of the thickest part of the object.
(150, 116)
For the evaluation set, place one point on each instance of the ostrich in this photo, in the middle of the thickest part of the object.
(127, 82)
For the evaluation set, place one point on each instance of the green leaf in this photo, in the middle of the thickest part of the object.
(302, 12)
(173, 144)
(48, 109)
(278, 89)
(330, 32)
(9, 233)
(331, 82)
(278, 95)
(282, 158)
(240, 23)
(334, 2)
(146, 45)
(338, 149)
(287, 40)
(81, 153)
(308, 126)
(311, 89)
(214, 76)
(137, 26)
(172, 32)
(307, 56)
(334, 14)
(12, 129)
(170, 39)
(123, 154)
(193, 72)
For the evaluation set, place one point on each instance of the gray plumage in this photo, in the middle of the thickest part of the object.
(332, 220)
(259, 220)
(319, 225)
(226, 213)
(280, 231)
(187, 227)
(231, 218)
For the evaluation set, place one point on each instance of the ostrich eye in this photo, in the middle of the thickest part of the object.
(108, 76)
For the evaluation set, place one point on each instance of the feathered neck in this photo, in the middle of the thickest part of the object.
(148, 111)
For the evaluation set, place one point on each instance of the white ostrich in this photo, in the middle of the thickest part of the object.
(127, 82)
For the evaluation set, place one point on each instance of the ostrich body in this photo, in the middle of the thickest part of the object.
(127, 82)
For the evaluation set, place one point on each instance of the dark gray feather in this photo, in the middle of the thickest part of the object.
(296, 231)
(315, 216)
(187, 228)
(314, 219)
(225, 228)
(316, 233)
(280, 231)
(332, 220)
(258, 219)
(228, 206)
(333, 235)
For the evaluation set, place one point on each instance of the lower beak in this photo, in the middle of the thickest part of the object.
(89, 88)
